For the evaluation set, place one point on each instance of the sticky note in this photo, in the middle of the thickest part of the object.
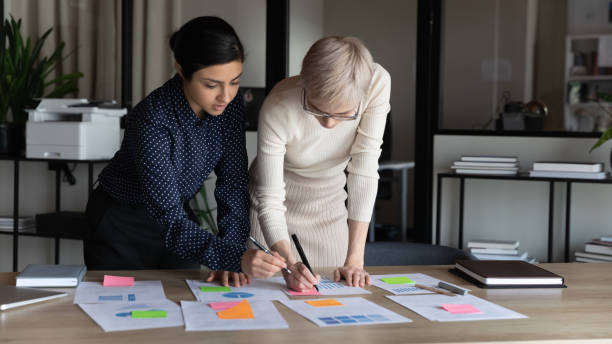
(215, 289)
(117, 281)
(312, 291)
(241, 311)
(149, 314)
(461, 309)
(324, 303)
(220, 306)
(397, 280)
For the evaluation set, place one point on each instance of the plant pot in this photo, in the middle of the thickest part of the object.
(12, 139)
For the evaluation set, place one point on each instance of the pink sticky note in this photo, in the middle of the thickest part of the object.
(221, 306)
(461, 309)
(118, 281)
(312, 291)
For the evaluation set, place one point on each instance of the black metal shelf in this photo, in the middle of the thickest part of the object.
(525, 177)
(16, 234)
(45, 235)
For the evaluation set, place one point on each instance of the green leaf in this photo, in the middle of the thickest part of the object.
(605, 136)
(24, 71)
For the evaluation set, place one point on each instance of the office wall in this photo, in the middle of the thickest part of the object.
(305, 28)
(588, 17)
(518, 210)
(487, 49)
(388, 29)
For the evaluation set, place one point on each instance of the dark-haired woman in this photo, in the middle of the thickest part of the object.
(174, 138)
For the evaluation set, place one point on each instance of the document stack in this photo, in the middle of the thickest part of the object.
(24, 224)
(597, 251)
(571, 170)
(495, 165)
(497, 250)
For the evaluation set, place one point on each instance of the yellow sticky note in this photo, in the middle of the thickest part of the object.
(324, 303)
(240, 311)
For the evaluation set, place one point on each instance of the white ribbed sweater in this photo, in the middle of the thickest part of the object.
(290, 140)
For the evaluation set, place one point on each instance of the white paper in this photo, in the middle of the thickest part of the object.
(142, 291)
(353, 311)
(430, 307)
(200, 317)
(404, 289)
(328, 287)
(604, 52)
(259, 289)
(118, 316)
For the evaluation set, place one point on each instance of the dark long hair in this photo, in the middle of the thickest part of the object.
(203, 42)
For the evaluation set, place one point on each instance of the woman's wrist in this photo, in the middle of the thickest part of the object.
(356, 261)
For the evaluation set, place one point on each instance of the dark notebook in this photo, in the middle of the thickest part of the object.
(506, 274)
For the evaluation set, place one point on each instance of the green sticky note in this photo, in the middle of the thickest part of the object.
(149, 314)
(206, 289)
(397, 280)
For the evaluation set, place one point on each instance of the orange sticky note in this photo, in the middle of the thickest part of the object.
(241, 311)
(118, 281)
(221, 306)
(324, 303)
(312, 291)
(461, 309)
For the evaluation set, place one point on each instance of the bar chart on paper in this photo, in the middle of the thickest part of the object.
(326, 287)
(344, 311)
(141, 291)
(404, 283)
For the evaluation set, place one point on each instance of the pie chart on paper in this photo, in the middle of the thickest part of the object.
(238, 295)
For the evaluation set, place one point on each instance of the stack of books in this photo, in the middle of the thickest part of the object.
(574, 170)
(24, 224)
(596, 251)
(498, 165)
(497, 250)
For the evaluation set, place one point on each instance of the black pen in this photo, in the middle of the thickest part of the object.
(302, 255)
(263, 248)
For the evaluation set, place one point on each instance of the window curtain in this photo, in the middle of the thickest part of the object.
(92, 34)
(91, 30)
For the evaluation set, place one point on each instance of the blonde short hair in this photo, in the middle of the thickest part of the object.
(337, 69)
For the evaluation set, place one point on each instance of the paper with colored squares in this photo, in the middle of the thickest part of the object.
(141, 291)
(226, 316)
(438, 307)
(326, 287)
(134, 316)
(402, 284)
(344, 312)
(259, 289)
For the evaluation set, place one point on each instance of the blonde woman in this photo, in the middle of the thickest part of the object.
(319, 132)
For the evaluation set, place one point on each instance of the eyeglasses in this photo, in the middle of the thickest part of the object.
(326, 115)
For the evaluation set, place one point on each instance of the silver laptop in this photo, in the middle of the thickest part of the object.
(11, 296)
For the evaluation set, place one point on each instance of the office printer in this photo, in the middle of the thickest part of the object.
(75, 129)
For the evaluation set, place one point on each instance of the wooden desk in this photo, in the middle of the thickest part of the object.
(581, 313)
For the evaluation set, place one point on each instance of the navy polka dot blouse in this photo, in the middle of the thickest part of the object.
(166, 154)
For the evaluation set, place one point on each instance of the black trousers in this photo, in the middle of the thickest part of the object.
(122, 237)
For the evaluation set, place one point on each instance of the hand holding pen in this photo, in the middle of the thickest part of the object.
(298, 246)
(262, 264)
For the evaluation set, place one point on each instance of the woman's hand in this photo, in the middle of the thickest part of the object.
(354, 275)
(301, 278)
(258, 264)
(227, 277)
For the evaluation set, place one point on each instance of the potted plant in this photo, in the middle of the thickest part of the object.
(603, 97)
(26, 74)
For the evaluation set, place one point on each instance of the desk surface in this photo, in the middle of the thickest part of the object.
(581, 313)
